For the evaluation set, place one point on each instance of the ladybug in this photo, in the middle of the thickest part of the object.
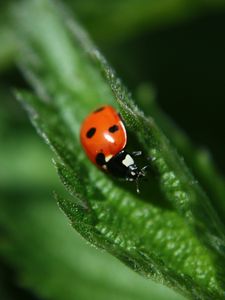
(104, 138)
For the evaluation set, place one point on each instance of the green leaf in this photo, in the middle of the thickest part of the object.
(64, 267)
(199, 159)
(169, 232)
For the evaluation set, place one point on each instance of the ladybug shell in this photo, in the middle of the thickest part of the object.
(103, 132)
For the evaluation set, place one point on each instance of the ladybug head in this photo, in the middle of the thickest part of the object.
(133, 172)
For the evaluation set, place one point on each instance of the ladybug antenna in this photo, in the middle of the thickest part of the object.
(137, 184)
(142, 173)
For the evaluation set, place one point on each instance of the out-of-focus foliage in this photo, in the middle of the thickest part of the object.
(27, 179)
(9, 43)
(117, 20)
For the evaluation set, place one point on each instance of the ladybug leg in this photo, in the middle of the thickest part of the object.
(136, 153)
(129, 179)
(143, 169)
(143, 172)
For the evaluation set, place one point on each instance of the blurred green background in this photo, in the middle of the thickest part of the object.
(169, 51)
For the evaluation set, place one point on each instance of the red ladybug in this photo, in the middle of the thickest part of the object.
(104, 139)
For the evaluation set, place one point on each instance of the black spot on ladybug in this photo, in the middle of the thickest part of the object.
(100, 159)
(113, 128)
(90, 132)
(99, 109)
